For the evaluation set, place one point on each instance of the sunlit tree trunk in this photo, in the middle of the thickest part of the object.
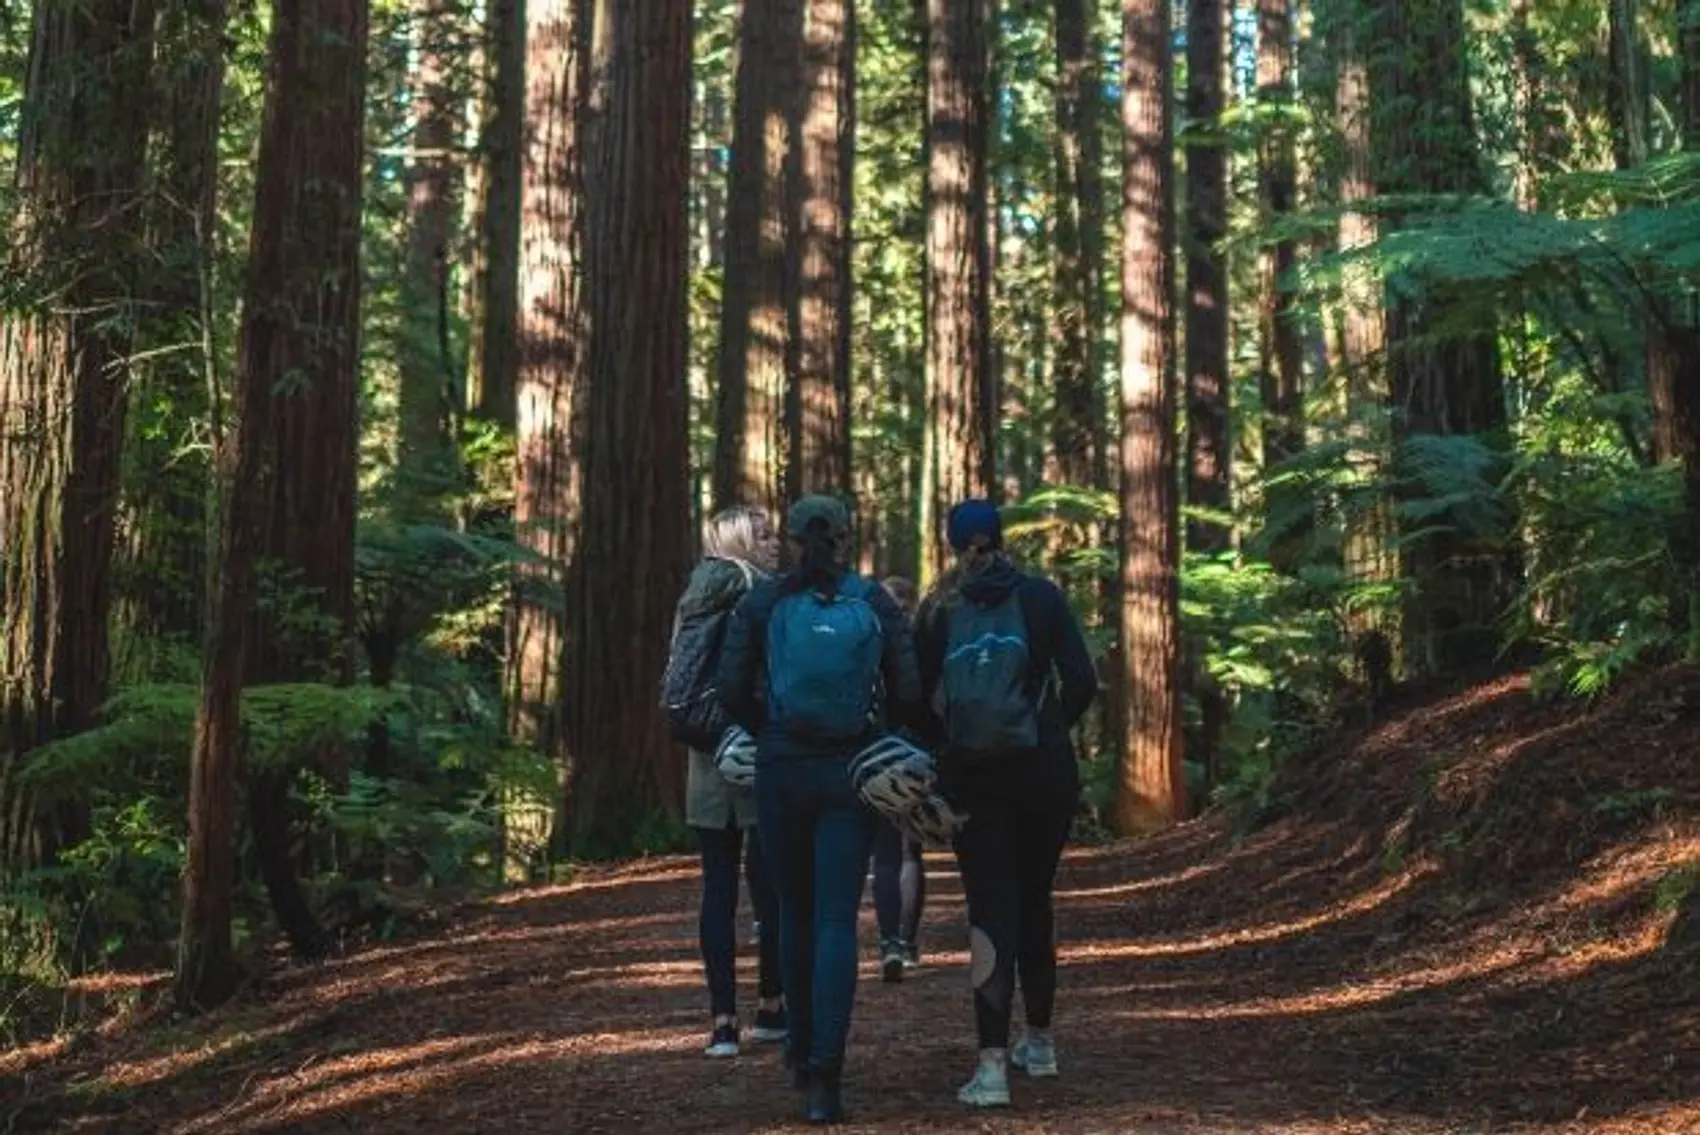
(1150, 790)
(757, 355)
(74, 241)
(820, 439)
(552, 359)
(636, 480)
(961, 391)
(284, 606)
(1370, 554)
(1209, 451)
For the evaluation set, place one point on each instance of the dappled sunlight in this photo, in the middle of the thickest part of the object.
(659, 975)
(20, 1057)
(406, 1073)
(1359, 904)
(1122, 890)
(134, 1073)
(1330, 999)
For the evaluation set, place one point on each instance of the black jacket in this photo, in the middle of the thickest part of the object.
(688, 695)
(1056, 649)
(742, 675)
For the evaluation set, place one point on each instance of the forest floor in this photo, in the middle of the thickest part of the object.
(1468, 918)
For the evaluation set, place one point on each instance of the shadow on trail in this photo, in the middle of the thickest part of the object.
(1304, 979)
(552, 1014)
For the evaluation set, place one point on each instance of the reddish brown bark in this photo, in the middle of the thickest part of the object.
(552, 358)
(74, 241)
(820, 438)
(284, 607)
(757, 351)
(636, 543)
(1150, 790)
(962, 407)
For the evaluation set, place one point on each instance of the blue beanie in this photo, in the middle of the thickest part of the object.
(971, 520)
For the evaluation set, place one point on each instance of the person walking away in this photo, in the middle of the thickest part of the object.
(900, 875)
(1008, 673)
(838, 660)
(741, 549)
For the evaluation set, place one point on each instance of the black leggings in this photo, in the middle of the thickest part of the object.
(900, 884)
(1020, 812)
(717, 924)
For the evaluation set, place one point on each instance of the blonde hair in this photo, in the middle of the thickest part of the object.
(730, 534)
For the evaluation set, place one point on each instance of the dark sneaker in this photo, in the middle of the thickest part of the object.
(723, 1041)
(771, 1026)
(891, 960)
(824, 1102)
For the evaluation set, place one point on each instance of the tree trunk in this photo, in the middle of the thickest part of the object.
(820, 445)
(1370, 536)
(1077, 435)
(1208, 447)
(306, 249)
(1150, 788)
(434, 184)
(1626, 92)
(757, 312)
(552, 362)
(1424, 132)
(1686, 390)
(167, 474)
(1280, 340)
(961, 394)
(637, 484)
(1627, 102)
(1688, 39)
(74, 240)
(496, 347)
(286, 594)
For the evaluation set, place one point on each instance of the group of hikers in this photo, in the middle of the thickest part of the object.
(831, 718)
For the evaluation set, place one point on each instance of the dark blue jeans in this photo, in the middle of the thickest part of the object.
(816, 834)
(900, 884)
(717, 925)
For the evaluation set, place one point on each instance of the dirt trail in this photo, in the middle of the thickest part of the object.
(1292, 982)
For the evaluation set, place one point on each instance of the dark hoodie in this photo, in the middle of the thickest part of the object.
(1054, 643)
(714, 589)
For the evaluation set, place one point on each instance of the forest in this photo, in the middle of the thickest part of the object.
(368, 367)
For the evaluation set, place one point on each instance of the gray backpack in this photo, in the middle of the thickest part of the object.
(986, 706)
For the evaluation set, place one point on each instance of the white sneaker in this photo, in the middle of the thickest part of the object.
(990, 1085)
(723, 1042)
(1035, 1053)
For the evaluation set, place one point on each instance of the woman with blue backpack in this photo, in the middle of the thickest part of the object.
(1008, 674)
(740, 549)
(817, 665)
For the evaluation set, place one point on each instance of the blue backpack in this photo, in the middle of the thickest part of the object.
(823, 662)
(986, 706)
